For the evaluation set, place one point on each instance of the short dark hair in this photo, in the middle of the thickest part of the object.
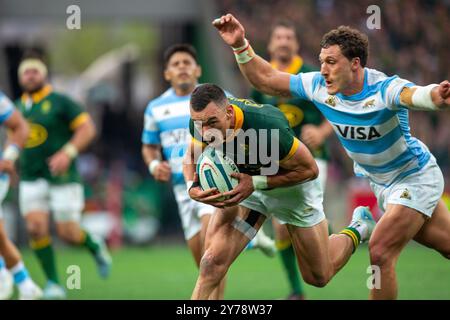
(180, 47)
(206, 93)
(353, 43)
(288, 24)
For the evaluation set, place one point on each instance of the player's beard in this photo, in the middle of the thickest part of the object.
(33, 89)
(186, 86)
(284, 55)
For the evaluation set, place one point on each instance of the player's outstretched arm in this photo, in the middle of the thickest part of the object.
(257, 70)
(428, 98)
(17, 136)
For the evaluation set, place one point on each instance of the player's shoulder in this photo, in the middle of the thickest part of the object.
(62, 97)
(166, 97)
(256, 114)
(5, 102)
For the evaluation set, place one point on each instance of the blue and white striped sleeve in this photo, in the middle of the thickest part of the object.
(150, 134)
(302, 85)
(6, 107)
(391, 91)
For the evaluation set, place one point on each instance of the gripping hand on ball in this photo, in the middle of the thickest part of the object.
(209, 196)
(242, 191)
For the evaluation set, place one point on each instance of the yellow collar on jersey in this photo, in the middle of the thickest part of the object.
(238, 121)
(39, 95)
(238, 117)
(293, 68)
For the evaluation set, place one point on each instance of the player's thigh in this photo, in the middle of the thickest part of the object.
(435, 233)
(394, 230)
(323, 172)
(67, 202)
(229, 231)
(280, 230)
(70, 231)
(34, 196)
(311, 248)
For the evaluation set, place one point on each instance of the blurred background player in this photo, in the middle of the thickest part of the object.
(307, 123)
(10, 257)
(49, 180)
(166, 126)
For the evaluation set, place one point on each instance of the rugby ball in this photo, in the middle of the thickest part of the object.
(214, 169)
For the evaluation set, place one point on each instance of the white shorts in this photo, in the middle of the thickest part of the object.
(66, 201)
(420, 191)
(190, 211)
(300, 205)
(323, 172)
(4, 187)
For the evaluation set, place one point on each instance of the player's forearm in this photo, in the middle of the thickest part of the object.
(290, 178)
(18, 130)
(326, 128)
(83, 136)
(189, 165)
(427, 98)
(260, 73)
(150, 152)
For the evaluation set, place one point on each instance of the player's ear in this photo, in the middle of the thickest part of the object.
(355, 63)
(167, 76)
(198, 71)
(229, 111)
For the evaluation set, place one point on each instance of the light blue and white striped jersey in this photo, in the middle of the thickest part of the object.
(6, 110)
(6, 107)
(166, 122)
(372, 125)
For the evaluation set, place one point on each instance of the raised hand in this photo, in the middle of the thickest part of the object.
(231, 30)
(444, 92)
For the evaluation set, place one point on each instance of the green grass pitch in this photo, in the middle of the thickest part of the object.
(168, 272)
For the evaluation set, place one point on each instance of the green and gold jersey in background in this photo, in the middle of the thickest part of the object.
(298, 112)
(52, 117)
(250, 115)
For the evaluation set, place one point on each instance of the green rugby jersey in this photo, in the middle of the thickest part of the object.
(52, 118)
(298, 112)
(250, 115)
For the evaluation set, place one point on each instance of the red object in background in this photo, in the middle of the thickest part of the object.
(361, 195)
(114, 190)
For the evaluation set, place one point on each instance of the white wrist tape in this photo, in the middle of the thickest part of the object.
(70, 150)
(421, 98)
(11, 152)
(259, 182)
(189, 184)
(152, 166)
(244, 54)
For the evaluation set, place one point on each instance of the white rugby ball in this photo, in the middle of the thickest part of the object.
(214, 169)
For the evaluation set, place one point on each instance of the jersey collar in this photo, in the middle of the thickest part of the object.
(293, 68)
(238, 122)
(39, 95)
(238, 117)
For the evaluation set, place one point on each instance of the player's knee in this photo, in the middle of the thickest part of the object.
(211, 268)
(317, 280)
(379, 255)
(37, 229)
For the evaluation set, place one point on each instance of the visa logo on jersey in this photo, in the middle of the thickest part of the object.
(357, 133)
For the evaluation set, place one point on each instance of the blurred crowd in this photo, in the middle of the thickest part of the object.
(412, 42)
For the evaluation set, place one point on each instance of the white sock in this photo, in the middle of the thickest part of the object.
(21, 277)
(361, 228)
